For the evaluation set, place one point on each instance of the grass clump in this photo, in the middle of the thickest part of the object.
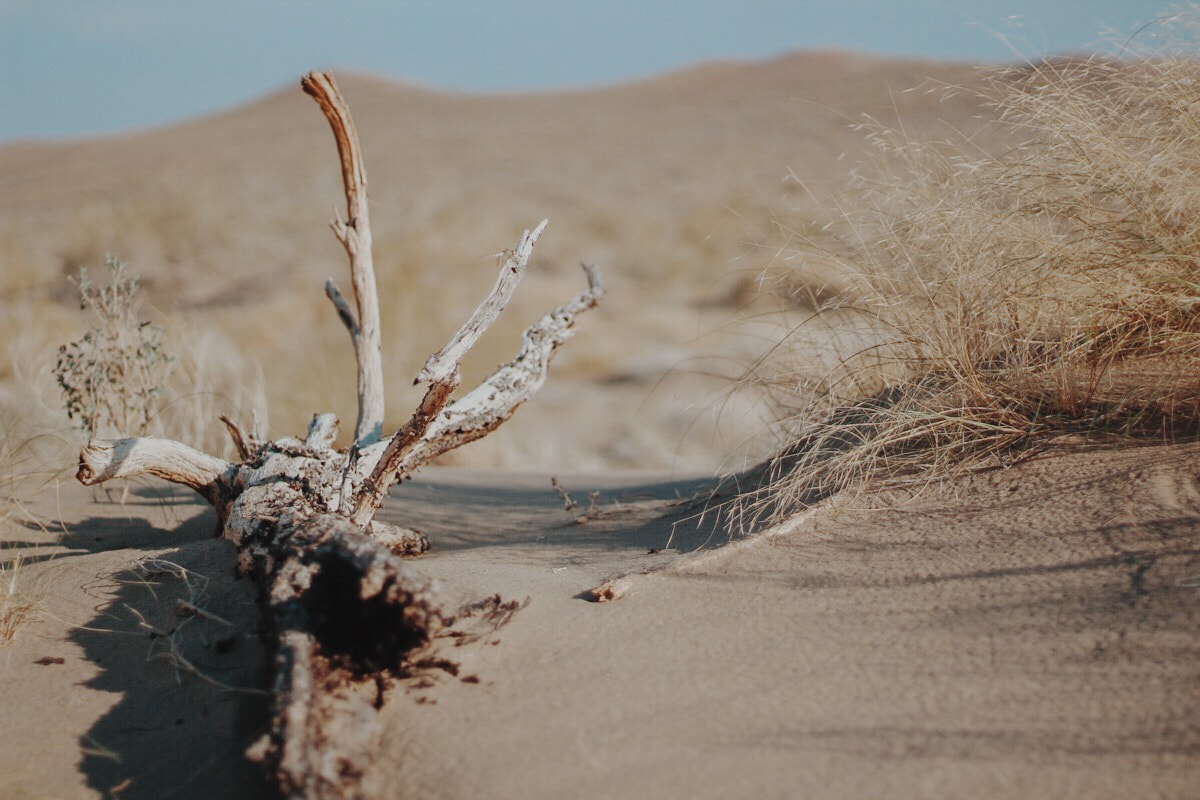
(17, 604)
(20, 595)
(1003, 300)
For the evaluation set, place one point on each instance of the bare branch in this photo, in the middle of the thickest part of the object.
(491, 403)
(442, 371)
(446, 360)
(355, 235)
(105, 459)
(235, 433)
(486, 407)
(344, 312)
(375, 487)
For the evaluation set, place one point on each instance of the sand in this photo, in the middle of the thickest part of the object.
(1023, 632)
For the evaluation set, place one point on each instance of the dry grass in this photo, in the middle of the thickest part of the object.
(17, 603)
(21, 474)
(1012, 299)
(211, 376)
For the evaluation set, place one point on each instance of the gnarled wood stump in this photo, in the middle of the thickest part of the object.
(342, 606)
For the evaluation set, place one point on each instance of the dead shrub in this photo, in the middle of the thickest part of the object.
(112, 377)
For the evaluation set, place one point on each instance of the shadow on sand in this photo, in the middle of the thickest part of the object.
(464, 509)
(170, 732)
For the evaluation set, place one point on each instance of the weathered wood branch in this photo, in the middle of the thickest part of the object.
(105, 459)
(447, 360)
(239, 440)
(494, 401)
(322, 432)
(341, 605)
(343, 608)
(375, 487)
(355, 235)
(442, 371)
(344, 312)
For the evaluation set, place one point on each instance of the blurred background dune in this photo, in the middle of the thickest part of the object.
(682, 189)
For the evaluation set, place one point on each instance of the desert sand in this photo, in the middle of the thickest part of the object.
(1023, 632)
(1020, 632)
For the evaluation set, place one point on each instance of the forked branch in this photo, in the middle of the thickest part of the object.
(487, 406)
(442, 371)
(491, 403)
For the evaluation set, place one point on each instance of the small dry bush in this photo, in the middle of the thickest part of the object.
(1052, 289)
(118, 379)
(111, 378)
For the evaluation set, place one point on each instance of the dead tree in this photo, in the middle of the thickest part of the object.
(343, 606)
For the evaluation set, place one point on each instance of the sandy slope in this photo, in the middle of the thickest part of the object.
(1024, 633)
(1034, 636)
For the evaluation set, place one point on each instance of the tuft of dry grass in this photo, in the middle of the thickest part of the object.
(211, 376)
(1006, 300)
(18, 600)
(20, 595)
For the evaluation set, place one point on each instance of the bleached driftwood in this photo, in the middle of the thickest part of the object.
(354, 233)
(343, 607)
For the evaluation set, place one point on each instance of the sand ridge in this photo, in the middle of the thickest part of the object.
(674, 187)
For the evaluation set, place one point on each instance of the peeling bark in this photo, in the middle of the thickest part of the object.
(342, 607)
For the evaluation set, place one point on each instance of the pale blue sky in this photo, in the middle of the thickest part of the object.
(83, 67)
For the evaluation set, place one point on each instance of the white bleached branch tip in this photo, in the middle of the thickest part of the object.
(322, 431)
(446, 361)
